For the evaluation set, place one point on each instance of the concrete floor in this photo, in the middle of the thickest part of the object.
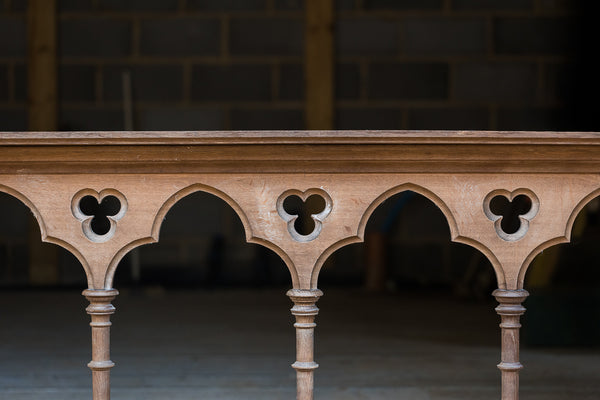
(235, 344)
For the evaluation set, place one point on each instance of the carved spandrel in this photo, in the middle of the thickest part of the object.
(254, 198)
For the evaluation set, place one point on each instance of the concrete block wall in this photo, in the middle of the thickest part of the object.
(13, 108)
(195, 64)
(455, 64)
(212, 64)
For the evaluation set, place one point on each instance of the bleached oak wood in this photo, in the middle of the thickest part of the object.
(351, 172)
(100, 310)
(305, 311)
(510, 311)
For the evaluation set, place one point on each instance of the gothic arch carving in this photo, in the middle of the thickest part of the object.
(566, 238)
(44, 232)
(428, 194)
(168, 205)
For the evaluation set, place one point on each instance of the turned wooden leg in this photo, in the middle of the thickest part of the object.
(100, 309)
(510, 311)
(305, 312)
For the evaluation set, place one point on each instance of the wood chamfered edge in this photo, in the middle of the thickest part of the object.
(296, 137)
(300, 152)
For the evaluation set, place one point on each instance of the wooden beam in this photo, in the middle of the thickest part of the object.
(43, 116)
(319, 64)
(42, 65)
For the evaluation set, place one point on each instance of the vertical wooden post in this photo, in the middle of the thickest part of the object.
(41, 65)
(510, 311)
(318, 64)
(100, 309)
(305, 311)
(42, 87)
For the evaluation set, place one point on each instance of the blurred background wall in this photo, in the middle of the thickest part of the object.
(240, 65)
(399, 64)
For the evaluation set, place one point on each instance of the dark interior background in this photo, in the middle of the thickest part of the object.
(238, 65)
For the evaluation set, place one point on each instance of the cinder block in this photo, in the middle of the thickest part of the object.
(181, 119)
(415, 81)
(199, 214)
(535, 119)
(90, 119)
(71, 273)
(12, 36)
(73, 5)
(347, 83)
(421, 264)
(18, 5)
(20, 82)
(234, 83)
(95, 37)
(76, 83)
(495, 82)
(267, 119)
(182, 36)
(492, 5)
(560, 83)
(291, 5)
(368, 118)
(560, 5)
(443, 36)
(13, 119)
(346, 5)
(418, 218)
(449, 118)
(4, 95)
(137, 5)
(291, 82)
(367, 36)
(148, 82)
(402, 4)
(164, 253)
(227, 5)
(533, 36)
(266, 36)
(15, 216)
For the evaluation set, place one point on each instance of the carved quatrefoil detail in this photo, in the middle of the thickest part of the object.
(511, 212)
(99, 212)
(304, 212)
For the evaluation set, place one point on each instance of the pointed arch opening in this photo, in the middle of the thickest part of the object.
(201, 236)
(44, 330)
(408, 296)
(563, 308)
(216, 306)
(26, 260)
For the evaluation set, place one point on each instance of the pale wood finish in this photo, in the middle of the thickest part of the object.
(100, 310)
(319, 64)
(353, 173)
(510, 311)
(305, 311)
